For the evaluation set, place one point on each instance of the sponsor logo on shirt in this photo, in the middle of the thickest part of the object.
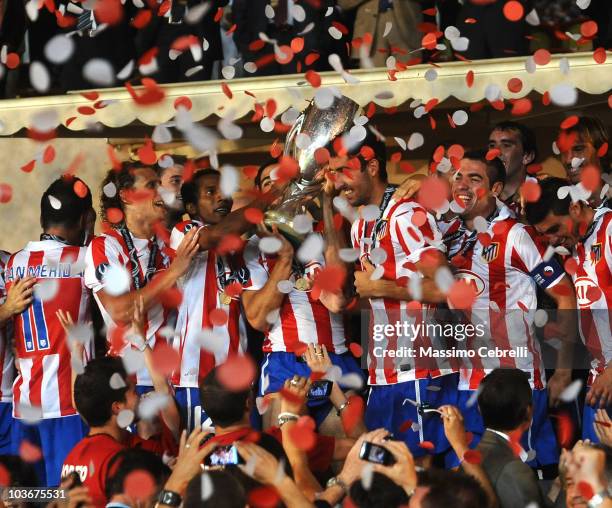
(587, 292)
(473, 280)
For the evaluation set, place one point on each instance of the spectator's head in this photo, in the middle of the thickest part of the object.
(66, 210)
(560, 221)
(224, 407)
(382, 492)
(598, 459)
(136, 474)
(132, 190)
(170, 171)
(517, 145)
(263, 179)
(359, 170)
(505, 400)
(203, 199)
(443, 489)
(580, 145)
(103, 391)
(226, 491)
(477, 183)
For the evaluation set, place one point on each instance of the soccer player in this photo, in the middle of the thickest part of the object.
(587, 234)
(301, 318)
(11, 305)
(502, 260)
(207, 286)
(42, 390)
(517, 146)
(130, 260)
(397, 245)
(585, 144)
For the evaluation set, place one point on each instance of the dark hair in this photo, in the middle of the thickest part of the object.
(528, 138)
(496, 171)
(227, 491)
(122, 178)
(504, 399)
(130, 460)
(93, 394)
(72, 208)
(190, 190)
(382, 492)
(269, 162)
(223, 406)
(21, 473)
(451, 488)
(372, 141)
(592, 129)
(549, 202)
(178, 160)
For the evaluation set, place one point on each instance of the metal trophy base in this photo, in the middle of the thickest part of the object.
(284, 224)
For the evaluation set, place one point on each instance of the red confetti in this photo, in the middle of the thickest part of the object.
(142, 19)
(352, 413)
(314, 78)
(405, 426)
(165, 358)
(5, 477)
(218, 317)
(570, 121)
(302, 436)
(589, 29)
(12, 60)
(603, 424)
(29, 452)
(461, 295)
(311, 58)
(263, 497)
(226, 90)
(570, 265)
(284, 54)
(603, 150)
(153, 94)
(80, 189)
(429, 41)
(86, 110)
(114, 215)
(433, 193)
(6, 192)
(586, 491)
(49, 154)
(330, 278)
(109, 12)
(139, 485)
(184, 102)
(542, 57)
(600, 56)
(515, 85)
(146, 153)
(253, 215)
(91, 96)
(492, 153)
(565, 429)
(427, 445)
(356, 349)
(513, 10)
(29, 167)
(590, 176)
(530, 191)
(297, 44)
(237, 373)
(218, 14)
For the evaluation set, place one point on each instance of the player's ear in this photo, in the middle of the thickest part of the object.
(528, 158)
(575, 210)
(497, 188)
(373, 168)
(190, 208)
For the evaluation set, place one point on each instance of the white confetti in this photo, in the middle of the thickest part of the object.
(194, 14)
(334, 33)
(206, 487)
(415, 141)
(323, 98)
(193, 70)
(351, 381)
(273, 316)
(370, 212)
(356, 135)
(530, 65)
(583, 4)
(378, 256)
(201, 138)
(117, 382)
(228, 72)
(452, 32)
(269, 12)
(127, 70)
(400, 142)
(110, 190)
(298, 13)
(99, 72)
(116, 280)
(308, 29)
(388, 27)
(473, 398)
(460, 117)
(46, 289)
(335, 62)
(229, 130)
(59, 49)
(493, 92)
(349, 255)
(250, 67)
(30, 414)
(230, 179)
(284, 286)
(269, 244)
(444, 279)
(262, 405)
(302, 224)
(311, 248)
(431, 75)
(531, 455)
(133, 360)
(125, 418)
(378, 272)
(460, 44)
(480, 224)
(150, 406)
(540, 317)
(205, 44)
(555, 148)
(564, 66)
(384, 95)
(290, 116)
(161, 134)
(532, 18)
(55, 203)
(303, 140)
(367, 476)
(563, 95)
(32, 10)
(39, 77)
(572, 391)
(419, 112)
(266, 124)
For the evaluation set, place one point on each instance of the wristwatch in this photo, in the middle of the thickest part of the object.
(597, 500)
(334, 480)
(169, 498)
(286, 417)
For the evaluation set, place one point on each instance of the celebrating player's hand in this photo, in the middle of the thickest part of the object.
(364, 285)
(260, 465)
(558, 382)
(601, 391)
(603, 426)
(67, 323)
(407, 189)
(296, 388)
(454, 429)
(19, 296)
(138, 319)
(403, 472)
(188, 248)
(286, 249)
(317, 358)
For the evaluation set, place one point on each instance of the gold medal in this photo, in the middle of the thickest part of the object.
(302, 284)
(225, 298)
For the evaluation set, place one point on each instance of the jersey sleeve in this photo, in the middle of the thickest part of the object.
(101, 254)
(528, 257)
(413, 234)
(258, 275)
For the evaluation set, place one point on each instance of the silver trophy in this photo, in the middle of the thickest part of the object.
(321, 126)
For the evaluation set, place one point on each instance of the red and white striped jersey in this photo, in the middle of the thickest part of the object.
(203, 291)
(302, 318)
(504, 275)
(43, 354)
(109, 250)
(593, 283)
(7, 361)
(396, 242)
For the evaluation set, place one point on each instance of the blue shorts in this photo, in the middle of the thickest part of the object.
(588, 420)
(192, 414)
(6, 427)
(55, 437)
(280, 366)
(540, 437)
(388, 408)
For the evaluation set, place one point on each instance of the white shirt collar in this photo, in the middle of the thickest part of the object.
(522, 452)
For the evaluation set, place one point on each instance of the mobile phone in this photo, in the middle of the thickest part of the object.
(224, 456)
(376, 454)
(320, 389)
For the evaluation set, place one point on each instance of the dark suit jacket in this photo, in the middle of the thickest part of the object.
(514, 481)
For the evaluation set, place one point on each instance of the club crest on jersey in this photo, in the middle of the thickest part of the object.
(101, 270)
(596, 252)
(490, 252)
(381, 229)
(473, 279)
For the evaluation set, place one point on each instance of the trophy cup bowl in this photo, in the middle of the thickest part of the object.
(321, 126)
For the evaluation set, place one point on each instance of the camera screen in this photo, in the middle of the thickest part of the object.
(224, 456)
(377, 454)
(318, 391)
